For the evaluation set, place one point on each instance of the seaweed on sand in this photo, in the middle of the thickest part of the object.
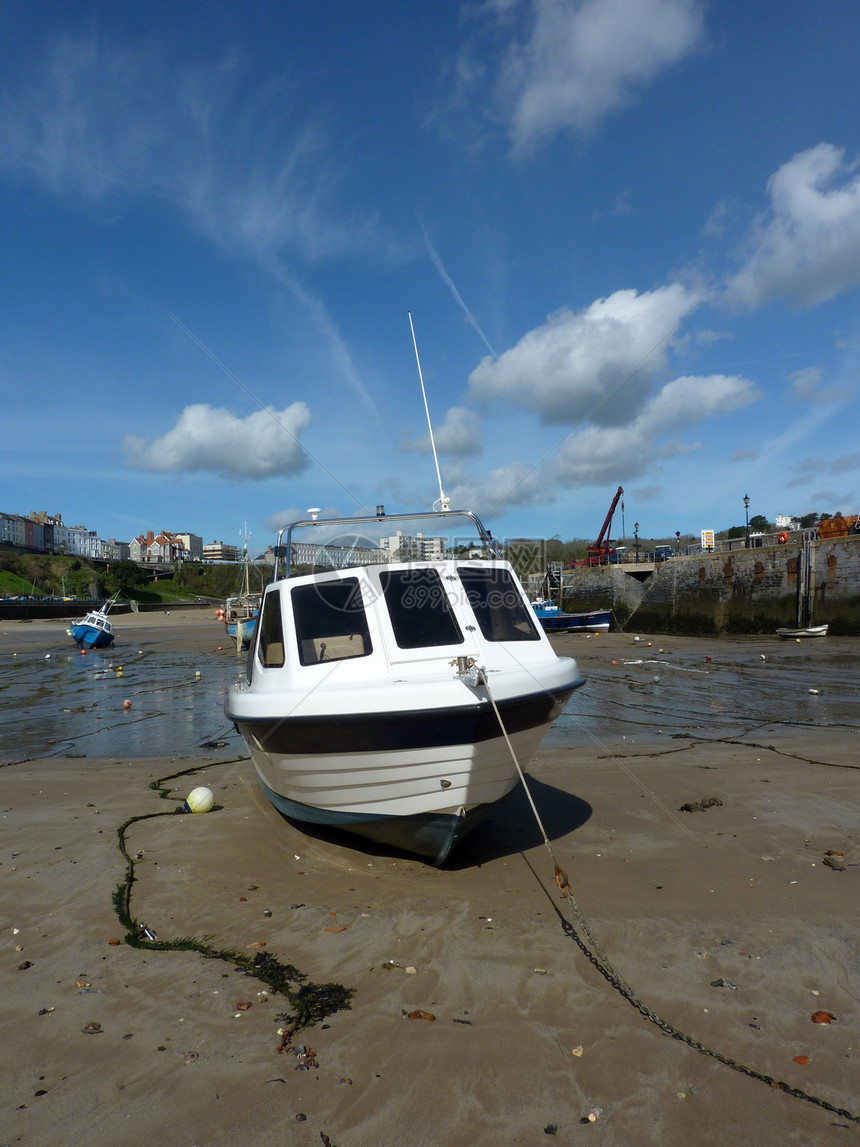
(310, 1002)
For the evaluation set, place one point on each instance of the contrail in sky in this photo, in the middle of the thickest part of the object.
(446, 279)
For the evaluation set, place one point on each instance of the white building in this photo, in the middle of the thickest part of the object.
(786, 522)
(336, 557)
(220, 552)
(402, 547)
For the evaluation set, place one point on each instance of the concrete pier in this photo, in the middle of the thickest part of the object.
(737, 591)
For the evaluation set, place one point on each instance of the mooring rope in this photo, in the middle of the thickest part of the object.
(604, 965)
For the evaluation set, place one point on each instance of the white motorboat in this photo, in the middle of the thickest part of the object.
(375, 695)
(804, 631)
(94, 631)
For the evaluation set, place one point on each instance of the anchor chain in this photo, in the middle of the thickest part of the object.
(604, 965)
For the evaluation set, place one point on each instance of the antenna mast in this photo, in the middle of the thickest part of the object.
(443, 500)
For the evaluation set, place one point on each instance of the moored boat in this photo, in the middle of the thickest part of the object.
(94, 630)
(804, 631)
(555, 620)
(240, 613)
(240, 618)
(375, 695)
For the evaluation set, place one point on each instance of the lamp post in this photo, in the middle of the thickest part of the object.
(636, 536)
(747, 512)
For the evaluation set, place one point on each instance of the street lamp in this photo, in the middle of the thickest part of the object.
(636, 536)
(747, 512)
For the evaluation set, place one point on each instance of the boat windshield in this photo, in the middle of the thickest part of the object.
(344, 543)
(331, 624)
(497, 603)
(418, 606)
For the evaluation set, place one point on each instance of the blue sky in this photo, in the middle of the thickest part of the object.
(628, 233)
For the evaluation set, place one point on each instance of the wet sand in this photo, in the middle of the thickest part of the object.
(726, 922)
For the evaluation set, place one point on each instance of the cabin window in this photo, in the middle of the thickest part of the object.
(498, 605)
(270, 649)
(419, 609)
(331, 624)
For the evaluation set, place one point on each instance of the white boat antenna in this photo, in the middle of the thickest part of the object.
(444, 503)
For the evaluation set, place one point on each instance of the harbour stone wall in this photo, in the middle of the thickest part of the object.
(738, 591)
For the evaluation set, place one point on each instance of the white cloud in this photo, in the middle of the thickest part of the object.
(571, 367)
(806, 247)
(104, 123)
(607, 454)
(584, 59)
(514, 484)
(457, 437)
(602, 454)
(206, 438)
(807, 385)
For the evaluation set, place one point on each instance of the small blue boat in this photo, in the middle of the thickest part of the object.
(94, 631)
(555, 620)
(241, 612)
(240, 618)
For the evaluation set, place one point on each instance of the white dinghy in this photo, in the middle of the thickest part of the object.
(375, 693)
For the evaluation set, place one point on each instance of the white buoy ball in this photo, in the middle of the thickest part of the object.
(200, 800)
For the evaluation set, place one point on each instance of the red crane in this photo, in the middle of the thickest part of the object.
(598, 552)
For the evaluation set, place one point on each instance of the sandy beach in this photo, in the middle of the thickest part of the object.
(734, 922)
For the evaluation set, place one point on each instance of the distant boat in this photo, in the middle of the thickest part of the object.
(555, 620)
(242, 611)
(93, 631)
(805, 593)
(240, 617)
(804, 631)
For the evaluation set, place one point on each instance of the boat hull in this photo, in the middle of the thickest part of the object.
(596, 621)
(244, 630)
(87, 637)
(804, 631)
(429, 835)
(416, 780)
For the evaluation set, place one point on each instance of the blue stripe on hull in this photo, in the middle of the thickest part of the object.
(431, 835)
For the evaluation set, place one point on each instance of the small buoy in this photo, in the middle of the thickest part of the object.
(708, 660)
(220, 648)
(635, 638)
(200, 800)
(47, 657)
(649, 644)
(763, 657)
(119, 673)
(797, 640)
(197, 674)
(83, 653)
(126, 704)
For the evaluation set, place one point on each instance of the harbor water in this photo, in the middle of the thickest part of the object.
(56, 702)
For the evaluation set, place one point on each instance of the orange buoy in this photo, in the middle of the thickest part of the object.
(783, 538)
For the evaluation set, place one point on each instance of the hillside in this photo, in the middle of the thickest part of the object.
(57, 576)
